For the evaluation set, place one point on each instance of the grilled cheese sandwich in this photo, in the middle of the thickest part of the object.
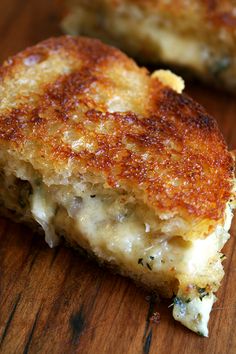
(195, 35)
(118, 162)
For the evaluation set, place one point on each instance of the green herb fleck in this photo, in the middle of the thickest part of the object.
(220, 65)
(202, 292)
(140, 261)
(200, 333)
(152, 258)
(178, 301)
(148, 265)
(181, 305)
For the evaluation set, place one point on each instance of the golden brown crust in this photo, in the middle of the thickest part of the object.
(165, 148)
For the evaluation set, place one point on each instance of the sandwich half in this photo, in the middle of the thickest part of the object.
(116, 161)
(197, 35)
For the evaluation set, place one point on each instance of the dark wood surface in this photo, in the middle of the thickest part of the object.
(56, 301)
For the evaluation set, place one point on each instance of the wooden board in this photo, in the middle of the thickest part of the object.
(56, 301)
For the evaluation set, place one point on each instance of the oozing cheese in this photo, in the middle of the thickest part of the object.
(194, 314)
(43, 210)
(126, 240)
(121, 233)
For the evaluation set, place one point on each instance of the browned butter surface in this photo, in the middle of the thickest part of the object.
(56, 301)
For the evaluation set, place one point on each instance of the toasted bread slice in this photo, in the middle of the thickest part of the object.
(197, 35)
(97, 150)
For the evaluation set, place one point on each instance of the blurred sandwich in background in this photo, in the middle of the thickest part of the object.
(199, 36)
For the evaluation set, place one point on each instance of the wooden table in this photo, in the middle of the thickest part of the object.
(56, 301)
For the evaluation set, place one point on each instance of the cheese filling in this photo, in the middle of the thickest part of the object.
(194, 314)
(119, 231)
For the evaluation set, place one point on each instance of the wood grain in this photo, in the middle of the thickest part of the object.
(56, 301)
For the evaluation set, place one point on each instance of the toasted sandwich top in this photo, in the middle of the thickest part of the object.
(74, 106)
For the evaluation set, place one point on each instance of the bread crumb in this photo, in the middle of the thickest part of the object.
(169, 79)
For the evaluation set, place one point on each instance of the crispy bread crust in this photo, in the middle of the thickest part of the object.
(165, 149)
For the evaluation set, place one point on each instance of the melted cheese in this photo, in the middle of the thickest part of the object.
(116, 235)
(124, 240)
(121, 234)
(43, 210)
(195, 314)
